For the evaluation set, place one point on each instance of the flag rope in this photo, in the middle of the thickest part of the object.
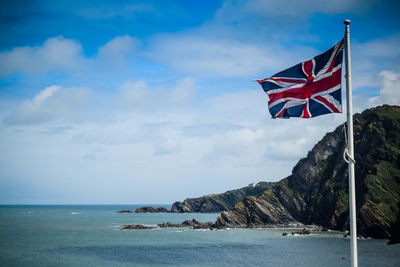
(346, 155)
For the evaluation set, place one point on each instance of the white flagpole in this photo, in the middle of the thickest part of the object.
(350, 151)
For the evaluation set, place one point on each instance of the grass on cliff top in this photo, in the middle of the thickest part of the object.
(265, 185)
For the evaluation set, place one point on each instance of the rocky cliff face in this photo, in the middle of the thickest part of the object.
(220, 202)
(317, 190)
(263, 210)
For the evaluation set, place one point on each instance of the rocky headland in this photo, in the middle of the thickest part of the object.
(220, 202)
(316, 193)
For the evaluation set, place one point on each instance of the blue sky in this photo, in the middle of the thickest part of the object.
(155, 101)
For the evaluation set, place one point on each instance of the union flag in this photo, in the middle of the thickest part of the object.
(308, 89)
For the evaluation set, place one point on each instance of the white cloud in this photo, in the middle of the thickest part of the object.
(228, 140)
(236, 144)
(51, 103)
(365, 70)
(55, 53)
(183, 92)
(140, 96)
(218, 57)
(118, 50)
(168, 142)
(383, 47)
(135, 94)
(390, 91)
(59, 53)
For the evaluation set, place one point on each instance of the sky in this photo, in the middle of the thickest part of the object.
(112, 102)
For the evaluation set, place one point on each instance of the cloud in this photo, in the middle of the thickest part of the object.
(140, 96)
(63, 54)
(53, 102)
(290, 140)
(184, 91)
(235, 144)
(168, 142)
(55, 53)
(218, 56)
(383, 47)
(390, 91)
(225, 139)
(365, 70)
(118, 50)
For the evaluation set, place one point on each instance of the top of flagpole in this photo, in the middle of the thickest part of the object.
(347, 22)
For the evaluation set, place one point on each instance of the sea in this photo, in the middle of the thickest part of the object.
(91, 235)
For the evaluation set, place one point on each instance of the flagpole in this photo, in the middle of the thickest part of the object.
(350, 151)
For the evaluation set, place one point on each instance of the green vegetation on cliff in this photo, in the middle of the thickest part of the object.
(220, 202)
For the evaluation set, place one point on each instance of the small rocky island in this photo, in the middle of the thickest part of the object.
(124, 211)
(150, 209)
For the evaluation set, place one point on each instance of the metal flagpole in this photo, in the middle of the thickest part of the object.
(350, 151)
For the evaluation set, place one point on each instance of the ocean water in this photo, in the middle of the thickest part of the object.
(91, 236)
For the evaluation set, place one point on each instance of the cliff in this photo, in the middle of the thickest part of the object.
(220, 202)
(317, 190)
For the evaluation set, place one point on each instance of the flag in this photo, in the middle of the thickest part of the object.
(308, 89)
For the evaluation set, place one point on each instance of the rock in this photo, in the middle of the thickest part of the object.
(305, 232)
(395, 233)
(168, 224)
(135, 227)
(321, 229)
(124, 211)
(150, 209)
(190, 223)
(302, 232)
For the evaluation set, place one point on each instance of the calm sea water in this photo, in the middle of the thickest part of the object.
(91, 236)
